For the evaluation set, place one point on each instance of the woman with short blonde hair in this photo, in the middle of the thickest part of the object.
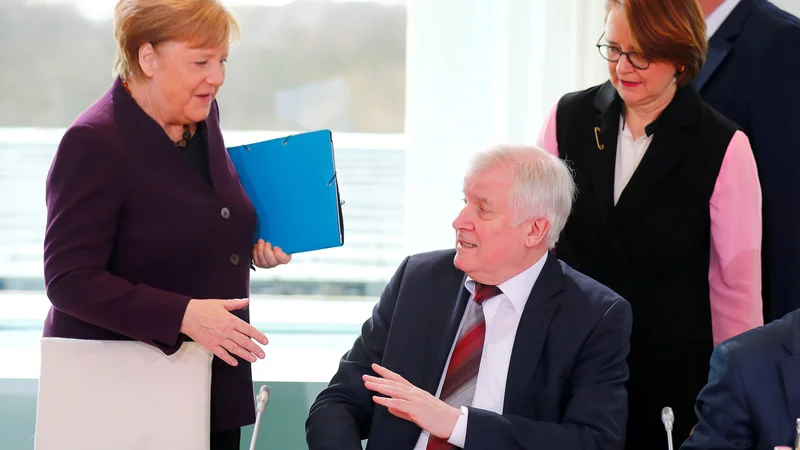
(149, 232)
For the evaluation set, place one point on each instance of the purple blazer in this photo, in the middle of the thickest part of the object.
(134, 232)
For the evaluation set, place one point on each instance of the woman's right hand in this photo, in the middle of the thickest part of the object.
(210, 324)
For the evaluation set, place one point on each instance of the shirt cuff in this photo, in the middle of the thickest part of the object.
(459, 435)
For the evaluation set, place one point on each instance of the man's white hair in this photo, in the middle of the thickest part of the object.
(542, 184)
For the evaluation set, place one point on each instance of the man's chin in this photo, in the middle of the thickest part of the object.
(461, 262)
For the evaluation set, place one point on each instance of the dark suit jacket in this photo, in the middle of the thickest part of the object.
(565, 386)
(134, 232)
(752, 398)
(750, 76)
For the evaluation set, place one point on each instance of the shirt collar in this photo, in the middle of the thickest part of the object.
(517, 288)
(716, 18)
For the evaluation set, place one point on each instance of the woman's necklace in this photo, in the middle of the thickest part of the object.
(187, 129)
(187, 134)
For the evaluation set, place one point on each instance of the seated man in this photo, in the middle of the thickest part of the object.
(494, 345)
(752, 399)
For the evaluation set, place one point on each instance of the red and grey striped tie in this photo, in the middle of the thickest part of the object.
(462, 372)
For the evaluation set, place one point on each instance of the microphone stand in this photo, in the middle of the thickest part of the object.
(263, 399)
(669, 440)
(797, 439)
(668, 418)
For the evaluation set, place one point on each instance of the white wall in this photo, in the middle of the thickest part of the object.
(482, 72)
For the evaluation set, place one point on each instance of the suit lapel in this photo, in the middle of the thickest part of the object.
(603, 157)
(717, 51)
(447, 302)
(440, 306)
(532, 333)
(721, 42)
(671, 141)
(790, 373)
(218, 166)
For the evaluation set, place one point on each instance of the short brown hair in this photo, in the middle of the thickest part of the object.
(202, 23)
(668, 30)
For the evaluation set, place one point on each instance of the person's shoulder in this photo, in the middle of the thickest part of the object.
(99, 116)
(786, 33)
(100, 125)
(711, 119)
(588, 291)
(766, 342)
(772, 17)
(428, 268)
(433, 261)
(91, 143)
(95, 126)
(709, 122)
(767, 32)
(580, 98)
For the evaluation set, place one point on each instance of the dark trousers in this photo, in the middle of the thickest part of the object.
(226, 440)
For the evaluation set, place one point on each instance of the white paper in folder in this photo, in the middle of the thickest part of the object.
(122, 395)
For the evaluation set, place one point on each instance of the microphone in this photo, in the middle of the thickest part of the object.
(263, 399)
(668, 418)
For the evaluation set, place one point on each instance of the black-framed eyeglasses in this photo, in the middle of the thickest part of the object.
(613, 53)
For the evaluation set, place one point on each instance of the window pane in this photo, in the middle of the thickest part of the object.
(299, 65)
(306, 65)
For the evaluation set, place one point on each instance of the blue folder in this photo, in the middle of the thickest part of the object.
(292, 184)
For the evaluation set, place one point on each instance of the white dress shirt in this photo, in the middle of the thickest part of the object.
(629, 154)
(502, 315)
(715, 19)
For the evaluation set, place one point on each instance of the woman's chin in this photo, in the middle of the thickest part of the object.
(198, 114)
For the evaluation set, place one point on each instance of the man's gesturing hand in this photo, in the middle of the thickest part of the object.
(412, 403)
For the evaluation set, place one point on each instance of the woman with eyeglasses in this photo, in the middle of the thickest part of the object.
(668, 212)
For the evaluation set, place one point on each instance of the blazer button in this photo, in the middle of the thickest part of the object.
(234, 259)
(225, 213)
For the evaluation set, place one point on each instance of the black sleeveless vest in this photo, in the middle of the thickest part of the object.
(653, 246)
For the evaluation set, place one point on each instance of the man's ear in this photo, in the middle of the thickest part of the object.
(537, 232)
(147, 56)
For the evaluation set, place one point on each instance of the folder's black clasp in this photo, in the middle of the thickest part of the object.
(287, 139)
(341, 202)
(246, 147)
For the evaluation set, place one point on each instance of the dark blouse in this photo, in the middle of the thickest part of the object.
(195, 152)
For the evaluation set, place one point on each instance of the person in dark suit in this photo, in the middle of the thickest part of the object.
(669, 207)
(149, 232)
(752, 399)
(750, 77)
(495, 344)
